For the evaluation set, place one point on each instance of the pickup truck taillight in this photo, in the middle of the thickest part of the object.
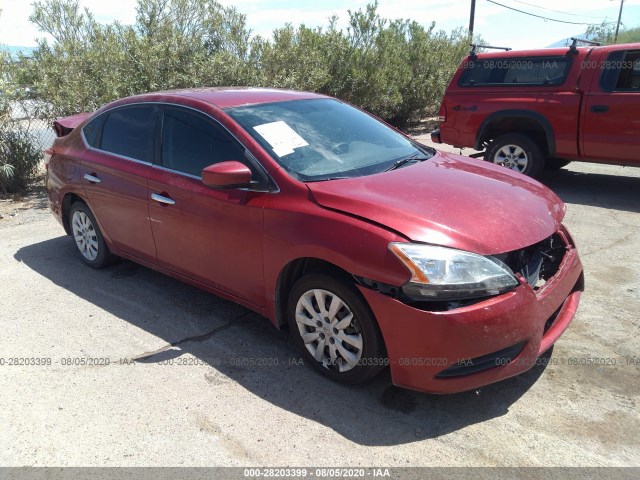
(442, 114)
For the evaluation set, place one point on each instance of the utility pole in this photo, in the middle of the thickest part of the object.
(472, 17)
(615, 39)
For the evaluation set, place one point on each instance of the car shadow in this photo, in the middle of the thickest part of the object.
(229, 338)
(616, 192)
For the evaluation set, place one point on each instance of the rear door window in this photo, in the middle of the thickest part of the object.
(516, 71)
(131, 132)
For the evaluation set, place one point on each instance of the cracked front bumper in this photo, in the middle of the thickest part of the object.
(421, 345)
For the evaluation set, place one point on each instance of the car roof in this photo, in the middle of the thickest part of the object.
(227, 97)
(553, 52)
(538, 52)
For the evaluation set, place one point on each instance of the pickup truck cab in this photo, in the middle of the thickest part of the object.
(532, 109)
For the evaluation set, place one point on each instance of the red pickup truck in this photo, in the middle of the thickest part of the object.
(532, 109)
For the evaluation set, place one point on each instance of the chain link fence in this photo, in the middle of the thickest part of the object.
(25, 132)
(26, 116)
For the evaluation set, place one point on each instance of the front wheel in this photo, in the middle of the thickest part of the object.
(335, 330)
(516, 152)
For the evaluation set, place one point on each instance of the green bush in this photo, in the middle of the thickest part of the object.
(174, 44)
(19, 159)
(396, 69)
(605, 34)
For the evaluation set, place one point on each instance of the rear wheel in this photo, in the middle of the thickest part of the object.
(335, 329)
(516, 152)
(88, 237)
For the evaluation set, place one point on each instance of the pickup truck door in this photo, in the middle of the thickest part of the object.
(611, 113)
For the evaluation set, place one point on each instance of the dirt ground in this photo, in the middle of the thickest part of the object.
(131, 368)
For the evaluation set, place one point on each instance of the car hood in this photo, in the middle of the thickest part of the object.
(452, 201)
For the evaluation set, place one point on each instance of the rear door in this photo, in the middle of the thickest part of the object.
(611, 127)
(212, 236)
(115, 169)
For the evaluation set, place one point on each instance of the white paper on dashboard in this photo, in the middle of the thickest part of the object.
(282, 138)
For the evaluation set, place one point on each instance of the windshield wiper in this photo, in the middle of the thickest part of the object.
(326, 179)
(416, 157)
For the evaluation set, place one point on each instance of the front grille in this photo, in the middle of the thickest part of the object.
(537, 263)
(483, 363)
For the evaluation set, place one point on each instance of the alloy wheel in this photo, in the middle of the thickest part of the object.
(513, 157)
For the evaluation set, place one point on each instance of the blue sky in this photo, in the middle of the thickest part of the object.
(496, 24)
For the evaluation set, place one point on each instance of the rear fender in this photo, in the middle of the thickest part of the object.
(496, 117)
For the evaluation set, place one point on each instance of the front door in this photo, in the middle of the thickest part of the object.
(611, 129)
(212, 236)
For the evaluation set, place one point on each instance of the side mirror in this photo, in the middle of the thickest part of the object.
(226, 175)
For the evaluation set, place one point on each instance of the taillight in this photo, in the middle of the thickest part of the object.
(442, 114)
(48, 153)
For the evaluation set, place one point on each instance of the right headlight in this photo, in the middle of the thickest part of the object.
(440, 273)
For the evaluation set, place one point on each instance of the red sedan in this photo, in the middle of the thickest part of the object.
(374, 249)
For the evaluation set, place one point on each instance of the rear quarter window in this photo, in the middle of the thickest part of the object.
(91, 130)
(515, 71)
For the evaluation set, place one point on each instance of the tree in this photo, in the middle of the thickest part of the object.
(605, 34)
(396, 69)
(629, 36)
(174, 44)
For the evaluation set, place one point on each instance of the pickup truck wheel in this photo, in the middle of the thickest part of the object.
(334, 328)
(517, 152)
(555, 163)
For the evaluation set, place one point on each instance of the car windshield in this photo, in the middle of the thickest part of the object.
(325, 139)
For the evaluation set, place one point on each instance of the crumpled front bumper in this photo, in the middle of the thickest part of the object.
(429, 351)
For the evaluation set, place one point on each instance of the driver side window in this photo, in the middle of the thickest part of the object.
(191, 142)
(621, 72)
(629, 77)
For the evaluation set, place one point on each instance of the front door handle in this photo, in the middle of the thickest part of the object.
(162, 199)
(91, 178)
(599, 108)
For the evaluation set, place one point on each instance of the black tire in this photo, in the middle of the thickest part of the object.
(90, 231)
(373, 357)
(522, 148)
(555, 163)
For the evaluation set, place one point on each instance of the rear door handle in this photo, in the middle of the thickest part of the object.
(162, 199)
(599, 108)
(91, 178)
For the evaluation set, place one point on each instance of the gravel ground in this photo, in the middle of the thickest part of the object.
(177, 390)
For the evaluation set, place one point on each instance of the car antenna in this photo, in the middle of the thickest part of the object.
(574, 44)
(474, 49)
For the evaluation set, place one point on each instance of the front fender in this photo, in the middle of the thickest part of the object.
(351, 244)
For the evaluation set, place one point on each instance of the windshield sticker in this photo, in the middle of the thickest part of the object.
(282, 138)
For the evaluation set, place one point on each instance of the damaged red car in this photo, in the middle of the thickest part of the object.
(375, 251)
